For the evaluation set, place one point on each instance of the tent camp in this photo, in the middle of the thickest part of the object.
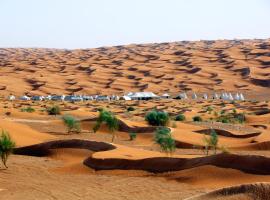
(142, 95)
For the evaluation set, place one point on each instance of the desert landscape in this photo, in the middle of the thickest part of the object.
(163, 148)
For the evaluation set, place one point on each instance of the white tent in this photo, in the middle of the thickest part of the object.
(142, 95)
(25, 98)
(237, 97)
(182, 95)
(11, 97)
(194, 96)
(126, 98)
(242, 98)
(205, 96)
(216, 96)
(165, 96)
(230, 97)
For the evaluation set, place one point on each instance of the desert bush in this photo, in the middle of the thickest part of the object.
(132, 136)
(6, 147)
(209, 109)
(197, 119)
(165, 140)
(130, 108)
(180, 117)
(109, 119)
(54, 110)
(157, 118)
(73, 125)
(211, 141)
(222, 112)
(232, 118)
(240, 117)
(28, 109)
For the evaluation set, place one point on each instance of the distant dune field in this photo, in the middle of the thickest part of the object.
(166, 67)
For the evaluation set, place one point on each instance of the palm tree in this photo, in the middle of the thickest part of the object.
(6, 147)
(109, 119)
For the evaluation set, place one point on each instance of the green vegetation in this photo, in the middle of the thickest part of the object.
(54, 110)
(109, 119)
(197, 119)
(73, 125)
(211, 142)
(165, 140)
(180, 117)
(28, 109)
(209, 109)
(130, 108)
(232, 118)
(132, 136)
(157, 118)
(6, 147)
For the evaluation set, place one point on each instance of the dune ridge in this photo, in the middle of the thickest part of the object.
(158, 67)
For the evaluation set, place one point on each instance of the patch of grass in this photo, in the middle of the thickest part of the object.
(73, 125)
(28, 109)
(132, 136)
(209, 109)
(232, 118)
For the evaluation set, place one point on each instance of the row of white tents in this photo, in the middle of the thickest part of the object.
(130, 96)
(224, 96)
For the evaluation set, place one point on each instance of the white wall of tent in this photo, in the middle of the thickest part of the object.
(130, 96)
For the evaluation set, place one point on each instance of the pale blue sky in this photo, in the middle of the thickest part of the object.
(94, 23)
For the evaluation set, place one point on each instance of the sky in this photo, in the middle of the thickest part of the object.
(95, 23)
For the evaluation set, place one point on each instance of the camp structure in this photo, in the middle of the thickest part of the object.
(25, 98)
(182, 95)
(194, 96)
(142, 95)
(37, 98)
(165, 96)
(11, 97)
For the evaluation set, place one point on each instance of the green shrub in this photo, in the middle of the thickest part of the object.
(72, 124)
(240, 117)
(157, 118)
(165, 140)
(28, 109)
(54, 110)
(222, 112)
(180, 117)
(109, 119)
(211, 141)
(232, 118)
(197, 119)
(130, 108)
(6, 147)
(209, 109)
(132, 136)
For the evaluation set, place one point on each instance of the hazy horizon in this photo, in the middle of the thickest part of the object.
(73, 24)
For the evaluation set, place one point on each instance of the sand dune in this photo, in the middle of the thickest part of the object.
(199, 66)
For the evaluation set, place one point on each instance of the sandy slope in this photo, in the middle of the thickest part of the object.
(172, 67)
